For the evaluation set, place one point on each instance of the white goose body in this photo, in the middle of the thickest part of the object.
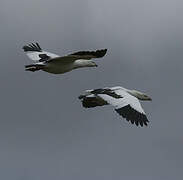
(61, 67)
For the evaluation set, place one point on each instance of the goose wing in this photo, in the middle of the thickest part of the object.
(125, 105)
(84, 55)
(35, 53)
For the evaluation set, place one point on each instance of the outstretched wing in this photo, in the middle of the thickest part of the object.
(35, 53)
(84, 55)
(89, 54)
(90, 101)
(125, 104)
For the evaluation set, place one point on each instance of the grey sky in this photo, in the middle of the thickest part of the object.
(44, 131)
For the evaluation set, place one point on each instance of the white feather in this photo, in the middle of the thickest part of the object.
(35, 55)
(126, 99)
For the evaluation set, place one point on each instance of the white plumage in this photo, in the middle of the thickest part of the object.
(56, 64)
(125, 101)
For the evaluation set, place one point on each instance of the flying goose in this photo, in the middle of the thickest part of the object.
(56, 64)
(125, 101)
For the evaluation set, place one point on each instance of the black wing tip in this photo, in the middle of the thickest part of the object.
(100, 53)
(133, 116)
(32, 47)
(88, 102)
(91, 102)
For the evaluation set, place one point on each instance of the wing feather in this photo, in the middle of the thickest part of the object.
(128, 107)
(34, 52)
(90, 54)
(84, 55)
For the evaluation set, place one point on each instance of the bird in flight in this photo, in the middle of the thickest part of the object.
(125, 101)
(53, 63)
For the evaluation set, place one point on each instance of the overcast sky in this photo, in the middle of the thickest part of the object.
(44, 131)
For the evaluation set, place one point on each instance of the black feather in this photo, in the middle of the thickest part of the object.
(44, 57)
(96, 54)
(107, 92)
(89, 102)
(132, 115)
(32, 47)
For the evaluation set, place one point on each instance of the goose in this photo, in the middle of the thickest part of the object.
(125, 101)
(55, 64)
